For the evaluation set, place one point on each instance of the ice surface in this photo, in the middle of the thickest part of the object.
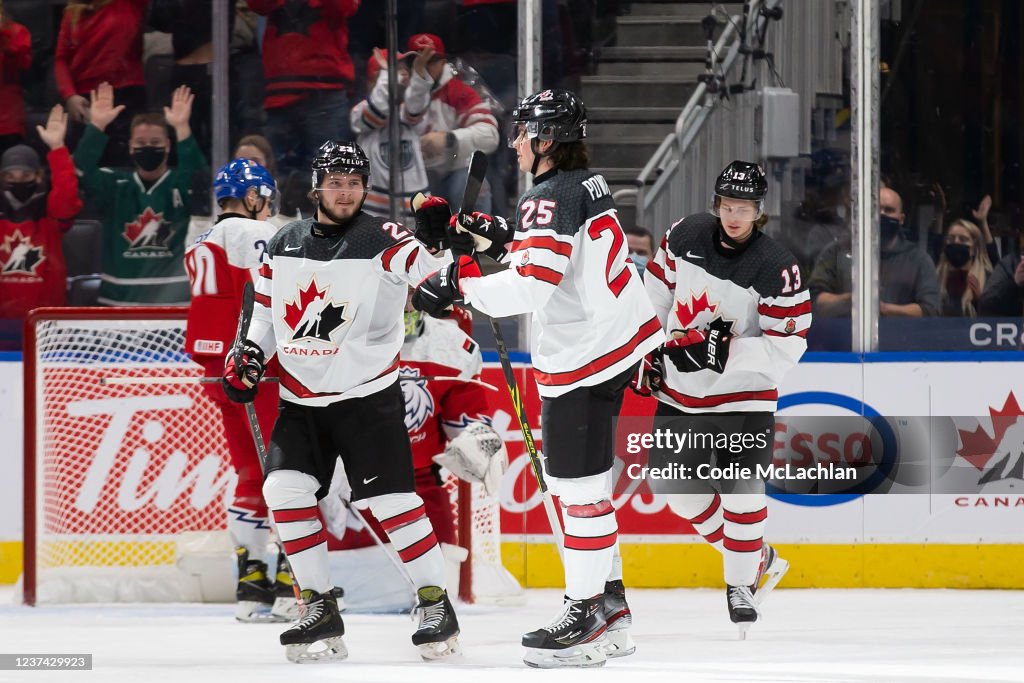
(681, 635)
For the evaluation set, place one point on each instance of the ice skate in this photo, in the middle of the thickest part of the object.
(437, 636)
(618, 619)
(254, 594)
(576, 638)
(742, 609)
(320, 626)
(772, 568)
(286, 604)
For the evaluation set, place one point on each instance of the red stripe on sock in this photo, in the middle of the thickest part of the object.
(295, 515)
(592, 510)
(418, 548)
(404, 518)
(715, 536)
(590, 542)
(304, 543)
(747, 517)
(742, 546)
(707, 514)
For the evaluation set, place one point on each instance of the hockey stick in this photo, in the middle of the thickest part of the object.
(119, 381)
(244, 320)
(477, 171)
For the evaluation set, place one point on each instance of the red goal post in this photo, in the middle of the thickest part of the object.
(126, 485)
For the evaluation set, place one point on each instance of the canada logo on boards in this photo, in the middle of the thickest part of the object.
(18, 256)
(313, 315)
(998, 455)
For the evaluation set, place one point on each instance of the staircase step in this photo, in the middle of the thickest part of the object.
(623, 152)
(664, 30)
(598, 115)
(652, 53)
(612, 91)
(618, 176)
(696, 10)
(629, 129)
(649, 68)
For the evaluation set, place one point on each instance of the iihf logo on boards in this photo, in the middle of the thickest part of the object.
(312, 315)
(18, 256)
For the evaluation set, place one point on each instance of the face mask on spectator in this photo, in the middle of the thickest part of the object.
(889, 226)
(148, 158)
(639, 261)
(23, 191)
(958, 254)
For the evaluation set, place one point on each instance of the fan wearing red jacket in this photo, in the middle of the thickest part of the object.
(15, 59)
(33, 221)
(219, 263)
(308, 74)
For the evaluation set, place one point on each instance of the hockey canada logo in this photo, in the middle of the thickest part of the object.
(419, 404)
(148, 231)
(999, 456)
(312, 315)
(19, 256)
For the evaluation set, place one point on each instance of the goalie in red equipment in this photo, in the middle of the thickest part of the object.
(592, 325)
(736, 311)
(329, 304)
(219, 263)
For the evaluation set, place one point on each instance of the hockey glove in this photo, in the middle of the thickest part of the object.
(490, 233)
(647, 378)
(432, 218)
(436, 294)
(477, 454)
(243, 369)
(693, 350)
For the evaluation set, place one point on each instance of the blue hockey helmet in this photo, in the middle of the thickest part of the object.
(234, 179)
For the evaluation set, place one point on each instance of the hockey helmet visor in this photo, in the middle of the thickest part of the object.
(551, 114)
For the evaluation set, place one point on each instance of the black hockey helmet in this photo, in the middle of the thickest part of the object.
(742, 180)
(340, 157)
(550, 115)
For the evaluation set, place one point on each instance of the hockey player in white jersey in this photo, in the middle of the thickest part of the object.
(736, 312)
(219, 263)
(340, 396)
(592, 324)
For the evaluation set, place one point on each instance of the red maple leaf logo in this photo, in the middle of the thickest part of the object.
(146, 230)
(978, 447)
(312, 315)
(687, 312)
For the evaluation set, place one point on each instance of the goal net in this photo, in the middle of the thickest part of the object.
(126, 485)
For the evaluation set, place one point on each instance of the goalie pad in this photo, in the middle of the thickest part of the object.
(477, 454)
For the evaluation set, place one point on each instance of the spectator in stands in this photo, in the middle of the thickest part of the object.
(190, 24)
(33, 219)
(308, 74)
(257, 148)
(15, 58)
(458, 122)
(1003, 293)
(145, 211)
(907, 282)
(371, 125)
(641, 247)
(964, 266)
(100, 41)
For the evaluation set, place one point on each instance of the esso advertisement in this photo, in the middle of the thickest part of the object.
(131, 459)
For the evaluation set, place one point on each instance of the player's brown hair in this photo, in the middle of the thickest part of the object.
(761, 221)
(147, 118)
(571, 156)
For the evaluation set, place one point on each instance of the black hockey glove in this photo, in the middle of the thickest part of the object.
(649, 373)
(693, 350)
(432, 218)
(243, 369)
(490, 233)
(436, 294)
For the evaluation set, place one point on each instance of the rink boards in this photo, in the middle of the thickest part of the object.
(968, 535)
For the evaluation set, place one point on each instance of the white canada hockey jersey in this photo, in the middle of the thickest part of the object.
(757, 295)
(369, 120)
(567, 266)
(219, 263)
(331, 307)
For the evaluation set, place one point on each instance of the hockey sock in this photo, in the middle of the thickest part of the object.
(616, 573)
(249, 527)
(292, 500)
(704, 512)
(404, 518)
(591, 534)
(745, 517)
